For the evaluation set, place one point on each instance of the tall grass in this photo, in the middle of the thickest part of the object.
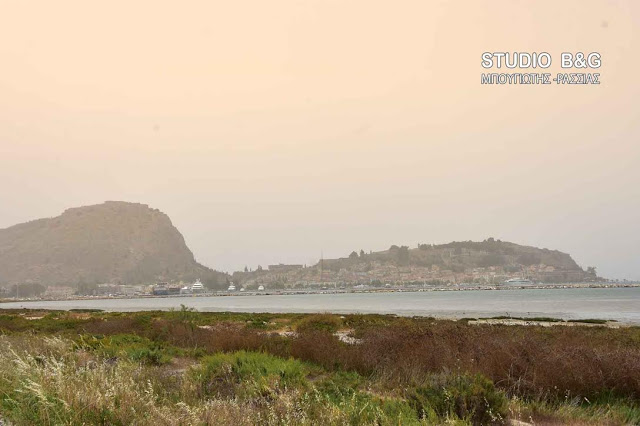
(525, 361)
(120, 368)
(59, 386)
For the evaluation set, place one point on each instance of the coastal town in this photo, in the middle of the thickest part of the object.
(293, 278)
(379, 274)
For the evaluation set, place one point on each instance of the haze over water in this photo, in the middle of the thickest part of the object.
(621, 304)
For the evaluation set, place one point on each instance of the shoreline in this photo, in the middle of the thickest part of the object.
(285, 292)
(560, 305)
(531, 321)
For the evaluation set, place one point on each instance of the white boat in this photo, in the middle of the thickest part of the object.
(260, 288)
(197, 286)
(231, 287)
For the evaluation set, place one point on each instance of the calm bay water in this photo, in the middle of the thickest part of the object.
(621, 304)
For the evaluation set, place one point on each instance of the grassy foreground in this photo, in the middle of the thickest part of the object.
(184, 367)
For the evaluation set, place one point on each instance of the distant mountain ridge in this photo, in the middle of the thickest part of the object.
(113, 242)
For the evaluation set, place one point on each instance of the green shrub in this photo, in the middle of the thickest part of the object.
(590, 321)
(248, 374)
(339, 384)
(472, 398)
(128, 346)
(258, 321)
(154, 355)
(320, 322)
(184, 314)
(360, 408)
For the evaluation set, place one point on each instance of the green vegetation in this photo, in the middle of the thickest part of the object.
(549, 319)
(249, 374)
(321, 322)
(537, 319)
(472, 398)
(185, 367)
(591, 321)
(128, 346)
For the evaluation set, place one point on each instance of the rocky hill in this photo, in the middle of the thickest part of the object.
(114, 242)
(489, 261)
(463, 255)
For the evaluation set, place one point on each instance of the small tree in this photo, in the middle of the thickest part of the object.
(403, 256)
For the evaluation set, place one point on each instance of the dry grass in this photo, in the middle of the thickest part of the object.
(526, 361)
(558, 375)
(58, 386)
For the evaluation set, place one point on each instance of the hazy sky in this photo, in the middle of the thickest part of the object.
(271, 130)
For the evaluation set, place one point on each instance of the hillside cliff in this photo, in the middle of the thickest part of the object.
(114, 242)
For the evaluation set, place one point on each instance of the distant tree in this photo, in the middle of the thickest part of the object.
(403, 255)
(85, 289)
(529, 259)
(361, 253)
(394, 247)
(591, 270)
(215, 280)
(259, 268)
(491, 259)
(27, 290)
(457, 268)
(246, 269)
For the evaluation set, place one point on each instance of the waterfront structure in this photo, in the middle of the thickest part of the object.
(197, 287)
